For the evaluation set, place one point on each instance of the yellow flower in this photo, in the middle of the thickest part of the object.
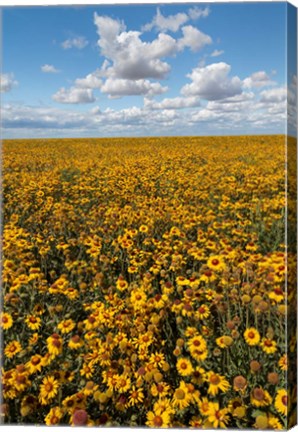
(33, 339)
(121, 284)
(33, 322)
(216, 383)
(6, 320)
(224, 341)
(54, 416)
(66, 326)
(197, 342)
(35, 364)
(269, 346)
(158, 420)
(163, 404)
(281, 402)
(283, 362)
(219, 418)
(260, 397)
(274, 423)
(157, 359)
(87, 371)
(54, 344)
(123, 383)
(202, 312)
(136, 396)
(12, 348)
(184, 367)
(216, 263)
(203, 405)
(20, 380)
(181, 398)
(160, 389)
(75, 342)
(48, 390)
(252, 336)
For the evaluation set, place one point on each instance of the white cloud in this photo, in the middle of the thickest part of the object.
(91, 81)
(130, 57)
(74, 95)
(238, 103)
(49, 69)
(171, 22)
(22, 116)
(78, 42)
(196, 12)
(257, 79)
(274, 95)
(7, 82)
(193, 39)
(212, 82)
(216, 53)
(242, 113)
(172, 103)
(123, 87)
(174, 22)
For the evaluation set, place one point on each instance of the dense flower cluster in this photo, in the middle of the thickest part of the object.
(144, 283)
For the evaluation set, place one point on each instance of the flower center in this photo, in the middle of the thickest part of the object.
(157, 421)
(268, 343)
(214, 379)
(56, 343)
(48, 387)
(258, 394)
(54, 420)
(179, 393)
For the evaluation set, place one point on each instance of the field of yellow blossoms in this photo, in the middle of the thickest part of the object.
(144, 283)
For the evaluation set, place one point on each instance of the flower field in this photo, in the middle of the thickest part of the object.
(144, 282)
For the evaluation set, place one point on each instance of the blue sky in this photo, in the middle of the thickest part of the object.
(124, 70)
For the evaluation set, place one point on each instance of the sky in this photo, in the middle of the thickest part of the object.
(145, 69)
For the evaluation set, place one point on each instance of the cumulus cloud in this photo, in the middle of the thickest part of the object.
(78, 42)
(193, 39)
(243, 112)
(123, 87)
(257, 79)
(212, 82)
(33, 117)
(274, 95)
(172, 103)
(216, 53)
(49, 69)
(132, 58)
(7, 82)
(196, 12)
(74, 95)
(174, 22)
(91, 81)
(163, 23)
